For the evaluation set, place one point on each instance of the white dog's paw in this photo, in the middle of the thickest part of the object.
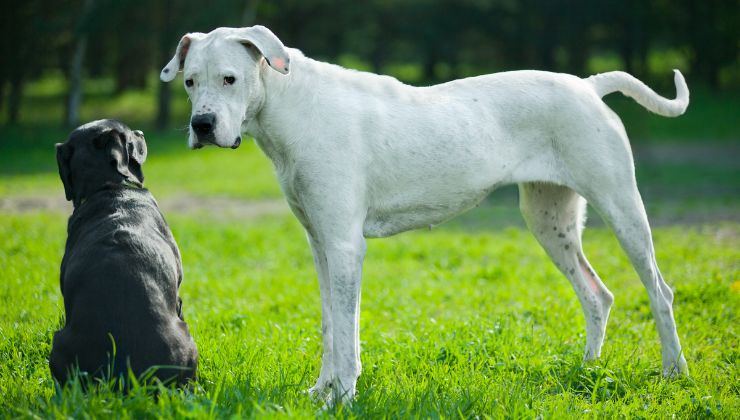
(591, 354)
(676, 368)
(330, 395)
(343, 394)
(321, 391)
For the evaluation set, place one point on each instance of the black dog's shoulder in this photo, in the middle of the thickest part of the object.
(120, 232)
(121, 209)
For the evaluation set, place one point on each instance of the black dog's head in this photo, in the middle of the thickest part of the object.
(100, 154)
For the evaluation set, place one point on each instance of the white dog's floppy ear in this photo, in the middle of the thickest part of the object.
(267, 44)
(178, 60)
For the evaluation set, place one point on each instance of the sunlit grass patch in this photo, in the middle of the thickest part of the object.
(453, 323)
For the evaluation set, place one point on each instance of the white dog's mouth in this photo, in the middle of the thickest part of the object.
(203, 132)
(211, 141)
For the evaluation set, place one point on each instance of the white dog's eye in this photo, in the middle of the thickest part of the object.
(189, 83)
(229, 80)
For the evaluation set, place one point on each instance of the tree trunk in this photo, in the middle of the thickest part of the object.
(547, 44)
(626, 51)
(130, 76)
(249, 14)
(577, 58)
(135, 49)
(14, 101)
(163, 108)
(626, 36)
(2, 94)
(166, 39)
(74, 97)
(377, 57)
(430, 62)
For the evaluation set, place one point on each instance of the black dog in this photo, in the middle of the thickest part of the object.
(121, 269)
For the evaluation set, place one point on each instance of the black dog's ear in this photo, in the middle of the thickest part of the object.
(64, 154)
(127, 154)
(137, 152)
(117, 151)
(137, 149)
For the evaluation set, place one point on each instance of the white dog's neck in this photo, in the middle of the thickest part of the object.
(264, 128)
(290, 100)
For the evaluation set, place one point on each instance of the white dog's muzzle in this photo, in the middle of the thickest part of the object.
(203, 128)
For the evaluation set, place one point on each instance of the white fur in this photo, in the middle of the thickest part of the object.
(360, 155)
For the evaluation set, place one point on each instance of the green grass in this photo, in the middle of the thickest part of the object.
(453, 324)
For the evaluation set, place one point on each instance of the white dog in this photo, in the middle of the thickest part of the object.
(360, 156)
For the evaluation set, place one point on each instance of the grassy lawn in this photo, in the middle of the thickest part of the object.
(454, 324)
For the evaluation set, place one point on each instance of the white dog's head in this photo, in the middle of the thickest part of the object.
(221, 72)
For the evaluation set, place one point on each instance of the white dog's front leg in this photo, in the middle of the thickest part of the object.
(323, 385)
(344, 263)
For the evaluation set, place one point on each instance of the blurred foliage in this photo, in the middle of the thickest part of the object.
(419, 41)
(711, 115)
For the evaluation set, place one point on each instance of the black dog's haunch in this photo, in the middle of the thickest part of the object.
(121, 269)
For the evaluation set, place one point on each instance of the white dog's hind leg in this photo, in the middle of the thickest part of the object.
(554, 214)
(623, 210)
(323, 384)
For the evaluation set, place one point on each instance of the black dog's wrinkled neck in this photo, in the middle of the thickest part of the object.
(104, 202)
(107, 187)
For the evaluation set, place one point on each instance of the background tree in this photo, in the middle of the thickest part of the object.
(74, 97)
(419, 41)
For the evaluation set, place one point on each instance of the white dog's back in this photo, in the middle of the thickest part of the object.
(429, 153)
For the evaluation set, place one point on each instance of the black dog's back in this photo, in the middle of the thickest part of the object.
(120, 277)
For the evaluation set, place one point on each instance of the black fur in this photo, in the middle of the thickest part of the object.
(121, 269)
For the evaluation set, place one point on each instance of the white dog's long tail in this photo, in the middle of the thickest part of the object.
(614, 81)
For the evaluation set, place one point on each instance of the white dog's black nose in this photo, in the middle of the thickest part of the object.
(203, 124)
